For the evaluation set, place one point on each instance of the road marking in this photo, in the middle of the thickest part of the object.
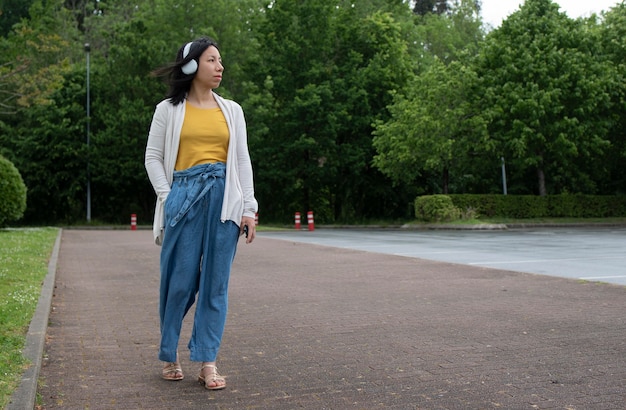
(547, 260)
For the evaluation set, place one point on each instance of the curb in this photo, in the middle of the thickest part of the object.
(476, 227)
(414, 227)
(26, 393)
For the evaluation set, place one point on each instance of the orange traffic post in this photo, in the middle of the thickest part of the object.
(310, 220)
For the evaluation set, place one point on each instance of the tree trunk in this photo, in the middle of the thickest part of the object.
(541, 177)
(446, 180)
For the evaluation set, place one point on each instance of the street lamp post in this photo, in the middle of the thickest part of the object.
(503, 176)
(87, 50)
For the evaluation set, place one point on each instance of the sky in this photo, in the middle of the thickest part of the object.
(494, 11)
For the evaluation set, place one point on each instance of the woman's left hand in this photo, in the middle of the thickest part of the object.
(250, 224)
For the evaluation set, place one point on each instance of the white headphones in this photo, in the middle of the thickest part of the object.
(192, 66)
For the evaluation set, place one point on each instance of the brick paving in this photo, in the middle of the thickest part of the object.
(314, 327)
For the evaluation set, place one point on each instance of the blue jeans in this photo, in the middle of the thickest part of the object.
(196, 257)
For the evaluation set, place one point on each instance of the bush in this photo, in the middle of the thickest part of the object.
(12, 192)
(550, 206)
(436, 208)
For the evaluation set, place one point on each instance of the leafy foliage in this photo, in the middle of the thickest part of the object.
(423, 7)
(46, 142)
(35, 56)
(348, 60)
(433, 122)
(436, 208)
(547, 97)
(611, 36)
(12, 192)
(431, 128)
(453, 35)
(549, 206)
(12, 11)
(353, 108)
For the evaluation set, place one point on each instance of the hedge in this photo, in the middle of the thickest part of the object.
(549, 206)
(12, 192)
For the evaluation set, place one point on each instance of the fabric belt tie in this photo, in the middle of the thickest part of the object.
(200, 180)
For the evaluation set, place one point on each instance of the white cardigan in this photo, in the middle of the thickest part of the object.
(162, 151)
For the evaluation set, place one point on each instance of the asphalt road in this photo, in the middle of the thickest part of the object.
(593, 254)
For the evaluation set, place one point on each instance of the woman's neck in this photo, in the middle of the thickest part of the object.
(201, 99)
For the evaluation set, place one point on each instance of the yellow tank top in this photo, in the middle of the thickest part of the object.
(203, 138)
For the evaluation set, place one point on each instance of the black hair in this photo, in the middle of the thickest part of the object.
(178, 82)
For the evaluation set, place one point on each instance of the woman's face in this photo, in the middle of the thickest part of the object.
(210, 68)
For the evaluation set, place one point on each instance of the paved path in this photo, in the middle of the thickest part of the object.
(589, 253)
(314, 327)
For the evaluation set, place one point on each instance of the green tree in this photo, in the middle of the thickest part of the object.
(123, 97)
(451, 35)
(46, 142)
(332, 71)
(11, 12)
(433, 119)
(611, 36)
(423, 7)
(431, 127)
(37, 62)
(35, 56)
(128, 43)
(546, 97)
(43, 82)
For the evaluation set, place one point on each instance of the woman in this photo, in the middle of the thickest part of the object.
(198, 162)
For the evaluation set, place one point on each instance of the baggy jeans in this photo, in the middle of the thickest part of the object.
(196, 257)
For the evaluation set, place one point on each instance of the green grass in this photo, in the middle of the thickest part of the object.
(24, 256)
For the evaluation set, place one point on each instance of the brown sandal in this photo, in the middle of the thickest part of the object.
(172, 372)
(212, 378)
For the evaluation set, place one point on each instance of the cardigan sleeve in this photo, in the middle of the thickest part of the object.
(246, 178)
(155, 152)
